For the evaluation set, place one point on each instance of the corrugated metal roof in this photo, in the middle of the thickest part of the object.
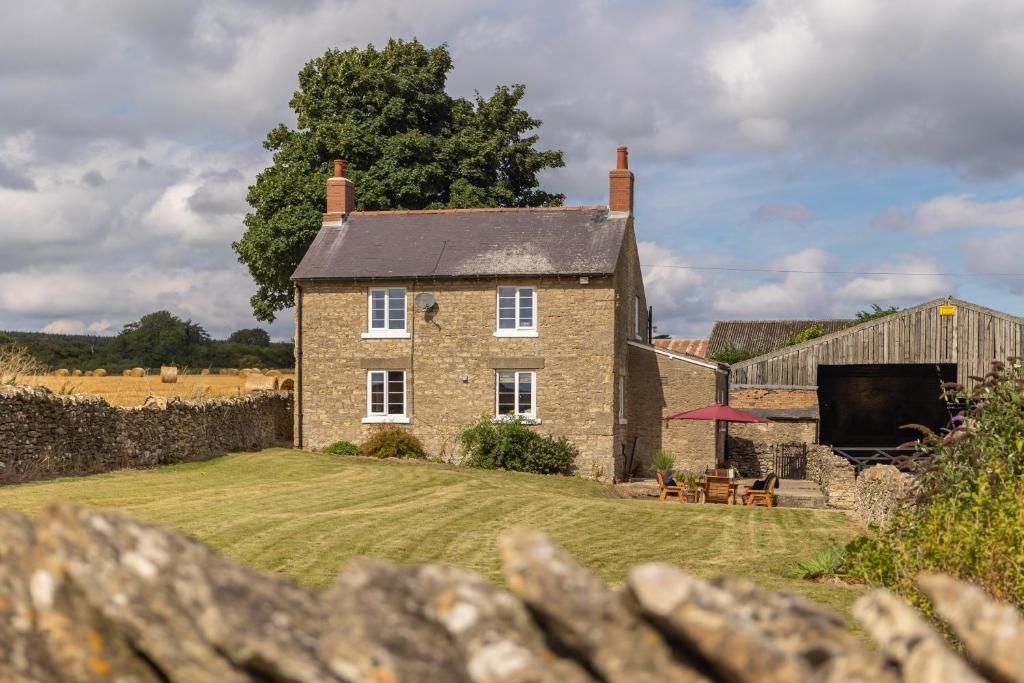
(691, 347)
(764, 336)
(463, 243)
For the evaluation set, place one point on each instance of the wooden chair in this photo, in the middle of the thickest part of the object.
(760, 493)
(719, 490)
(665, 490)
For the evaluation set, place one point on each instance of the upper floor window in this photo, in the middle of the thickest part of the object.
(387, 313)
(385, 396)
(516, 393)
(517, 312)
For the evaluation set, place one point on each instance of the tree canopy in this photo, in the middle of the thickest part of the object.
(876, 311)
(254, 336)
(407, 144)
(156, 339)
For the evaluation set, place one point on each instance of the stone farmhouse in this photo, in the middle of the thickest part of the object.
(434, 319)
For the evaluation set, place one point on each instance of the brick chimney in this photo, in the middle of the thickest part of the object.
(341, 194)
(620, 184)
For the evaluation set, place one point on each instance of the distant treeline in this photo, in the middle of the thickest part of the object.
(156, 339)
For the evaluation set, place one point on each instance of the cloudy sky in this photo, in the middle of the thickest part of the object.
(786, 151)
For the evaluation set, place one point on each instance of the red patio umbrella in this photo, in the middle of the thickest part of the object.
(717, 411)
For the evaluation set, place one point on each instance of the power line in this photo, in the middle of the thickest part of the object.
(826, 272)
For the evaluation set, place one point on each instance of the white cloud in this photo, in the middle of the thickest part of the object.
(962, 211)
(675, 291)
(788, 295)
(898, 289)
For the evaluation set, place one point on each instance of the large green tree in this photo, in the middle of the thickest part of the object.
(160, 338)
(407, 143)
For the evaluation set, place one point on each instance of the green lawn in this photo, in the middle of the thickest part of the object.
(305, 515)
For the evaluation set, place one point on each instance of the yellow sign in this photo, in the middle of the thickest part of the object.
(947, 309)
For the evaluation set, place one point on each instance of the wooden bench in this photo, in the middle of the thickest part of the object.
(761, 492)
(665, 490)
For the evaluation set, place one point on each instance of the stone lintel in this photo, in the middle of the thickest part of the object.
(515, 363)
(399, 363)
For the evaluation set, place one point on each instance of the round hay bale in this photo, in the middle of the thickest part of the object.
(126, 372)
(138, 372)
(61, 372)
(244, 372)
(99, 372)
(287, 385)
(87, 373)
(260, 383)
(76, 373)
(168, 374)
(204, 371)
(274, 373)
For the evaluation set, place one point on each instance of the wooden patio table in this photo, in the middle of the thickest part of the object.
(715, 485)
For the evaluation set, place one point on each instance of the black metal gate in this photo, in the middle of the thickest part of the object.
(791, 461)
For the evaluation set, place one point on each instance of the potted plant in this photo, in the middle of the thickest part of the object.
(663, 462)
(690, 479)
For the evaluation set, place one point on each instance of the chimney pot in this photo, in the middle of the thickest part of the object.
(341, 193)
(620, 184)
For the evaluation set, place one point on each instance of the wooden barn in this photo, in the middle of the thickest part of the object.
(873, 377)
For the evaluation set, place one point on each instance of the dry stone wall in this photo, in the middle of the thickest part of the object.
(879, 492)
(43, 434)
(89, 596)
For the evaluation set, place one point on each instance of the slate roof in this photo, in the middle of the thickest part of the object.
(764, 336)
(690, 347)
(466, 242)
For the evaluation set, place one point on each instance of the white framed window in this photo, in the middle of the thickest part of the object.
(637, 332)
(622, 399)
(515, 394)
(386, 313)
(385, 396)
(517, 312)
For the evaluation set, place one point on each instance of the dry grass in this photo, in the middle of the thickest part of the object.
(304, 515)
(133, 391)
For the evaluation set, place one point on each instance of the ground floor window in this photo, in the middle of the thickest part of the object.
(385, 394)
(516, 393)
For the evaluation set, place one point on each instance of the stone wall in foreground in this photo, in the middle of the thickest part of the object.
(43, 434)
(89, 596)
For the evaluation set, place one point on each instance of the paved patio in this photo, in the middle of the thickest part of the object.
(792, 493)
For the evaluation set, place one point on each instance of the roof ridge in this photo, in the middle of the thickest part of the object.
(787, 320)
(398, 212)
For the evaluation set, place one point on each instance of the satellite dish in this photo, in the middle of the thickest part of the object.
(425, 301)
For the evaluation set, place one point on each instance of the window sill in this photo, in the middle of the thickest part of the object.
(387, 419)
(516, 333)
(523, 419)
(386, 334)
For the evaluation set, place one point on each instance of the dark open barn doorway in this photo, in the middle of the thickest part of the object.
(864, 405)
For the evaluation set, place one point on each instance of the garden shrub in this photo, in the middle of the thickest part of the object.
(342, 448)
(663, 462)
(513, 446)
(391, 441)
(966, 514)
